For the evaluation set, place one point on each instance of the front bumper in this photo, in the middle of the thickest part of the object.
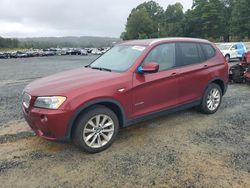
(49, 124)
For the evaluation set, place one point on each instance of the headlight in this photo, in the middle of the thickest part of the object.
(26, 100)
(49, 102)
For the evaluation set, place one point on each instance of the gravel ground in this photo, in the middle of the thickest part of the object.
(15, 74)
(184, 149)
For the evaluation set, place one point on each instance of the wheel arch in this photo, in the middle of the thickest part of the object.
(219, 81)
(112, 104)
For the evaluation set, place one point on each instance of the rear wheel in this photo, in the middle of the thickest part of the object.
(96, 129)
(212, 99)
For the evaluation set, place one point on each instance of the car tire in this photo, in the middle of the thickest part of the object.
(96, 129)
(227, 58)
(211, 99)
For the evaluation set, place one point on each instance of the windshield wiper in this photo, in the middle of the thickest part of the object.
(100, 68)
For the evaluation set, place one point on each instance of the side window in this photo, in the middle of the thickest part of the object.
(234, 47)
(208, 50)
(164, 54)
(188, 54)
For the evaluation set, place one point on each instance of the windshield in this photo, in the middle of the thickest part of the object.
(224, 46)
(120, 58)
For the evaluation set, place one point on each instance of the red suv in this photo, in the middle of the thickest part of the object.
(132, 82)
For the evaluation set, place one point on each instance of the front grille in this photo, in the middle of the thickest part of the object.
(26, 100)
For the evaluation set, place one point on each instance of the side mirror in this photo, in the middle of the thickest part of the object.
(150, 67)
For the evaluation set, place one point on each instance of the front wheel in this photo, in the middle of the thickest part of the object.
(211, 100)
(96, 129)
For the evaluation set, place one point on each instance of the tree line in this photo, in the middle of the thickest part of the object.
(216, 20)
(48, 42)
(8, 43)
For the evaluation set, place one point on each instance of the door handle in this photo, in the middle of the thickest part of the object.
(205, 66)
(173, 74)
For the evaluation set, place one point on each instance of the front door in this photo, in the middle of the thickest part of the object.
(156, 91)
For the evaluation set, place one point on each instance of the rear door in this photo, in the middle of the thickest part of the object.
(192, 71)
(156, 91)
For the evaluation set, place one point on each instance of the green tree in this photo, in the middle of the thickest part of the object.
(240, 19)
(140, 25)
(227, 18)
(144, 21)
(173, 21)
(155, 11)
(206, 19)
(192, 24)
(8, 43)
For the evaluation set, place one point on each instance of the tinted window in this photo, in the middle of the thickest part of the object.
(208, 50)
(188, 54)
(163, 54)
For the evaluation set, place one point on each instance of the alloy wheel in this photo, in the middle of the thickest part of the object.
(213, 99)
(98, 131)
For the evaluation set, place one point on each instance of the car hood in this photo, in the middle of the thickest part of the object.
(62, 83)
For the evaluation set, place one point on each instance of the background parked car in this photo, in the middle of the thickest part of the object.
(84, 52)
(89, 50)
(3, 55)
(73, 51)
(232, 50)
(96, 51)
(48, 52)
(13, 55)
(62, 51)
(30, 53)
(21, 54)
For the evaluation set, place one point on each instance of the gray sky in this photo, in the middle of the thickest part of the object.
(35, 18)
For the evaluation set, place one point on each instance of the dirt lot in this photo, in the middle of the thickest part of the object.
(185, 149)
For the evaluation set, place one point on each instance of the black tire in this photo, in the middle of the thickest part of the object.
(204, 104)
(81, 123)
(227, 58)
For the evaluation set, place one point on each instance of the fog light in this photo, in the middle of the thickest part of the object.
(44, 119)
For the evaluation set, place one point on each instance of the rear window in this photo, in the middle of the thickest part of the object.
(189, 53)
(208, 50)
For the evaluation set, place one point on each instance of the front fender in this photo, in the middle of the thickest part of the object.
(91, 103)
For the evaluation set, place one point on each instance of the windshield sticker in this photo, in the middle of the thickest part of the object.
(139, 48)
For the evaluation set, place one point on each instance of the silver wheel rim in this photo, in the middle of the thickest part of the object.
(98, 131)
(213, 99)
